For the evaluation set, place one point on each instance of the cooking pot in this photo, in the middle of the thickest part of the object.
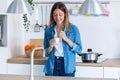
(89, 56)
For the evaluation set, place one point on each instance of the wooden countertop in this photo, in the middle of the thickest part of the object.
(26, 77)
(107, 63)
(24, 60)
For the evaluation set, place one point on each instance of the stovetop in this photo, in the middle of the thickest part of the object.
(100, 60)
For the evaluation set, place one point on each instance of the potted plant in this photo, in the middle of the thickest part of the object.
(25, 17)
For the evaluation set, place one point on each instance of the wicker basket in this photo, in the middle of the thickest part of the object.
(37, 53)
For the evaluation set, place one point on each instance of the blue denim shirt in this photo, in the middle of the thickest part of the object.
(69, 53)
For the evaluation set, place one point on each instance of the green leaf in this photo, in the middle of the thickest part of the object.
(25, 17)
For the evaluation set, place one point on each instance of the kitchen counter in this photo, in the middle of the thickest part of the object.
(107, 63)
(26, 77)
(24, 60)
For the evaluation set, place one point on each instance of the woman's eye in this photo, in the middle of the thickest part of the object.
(54, 15)
(60, 14)
(57, 14)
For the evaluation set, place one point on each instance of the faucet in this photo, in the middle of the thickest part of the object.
(32, 62)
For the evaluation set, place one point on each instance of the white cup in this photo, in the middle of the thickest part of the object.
(57, 40)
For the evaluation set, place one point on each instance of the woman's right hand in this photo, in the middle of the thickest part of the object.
(52, 43)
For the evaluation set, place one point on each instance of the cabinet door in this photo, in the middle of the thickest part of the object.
(24, 69)
(89, 72)
(3, 67)
(111, 72)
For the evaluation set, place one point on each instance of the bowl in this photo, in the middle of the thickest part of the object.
(37, 53)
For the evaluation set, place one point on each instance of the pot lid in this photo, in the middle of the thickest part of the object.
(89, 51)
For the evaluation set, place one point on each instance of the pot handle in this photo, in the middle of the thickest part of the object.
(80, 54)
(99, 55)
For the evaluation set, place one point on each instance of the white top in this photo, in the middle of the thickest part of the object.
(58, 46)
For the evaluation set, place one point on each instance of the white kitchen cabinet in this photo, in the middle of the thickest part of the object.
(3, 67)
(24, 69)
(89, 72)
(112, 72)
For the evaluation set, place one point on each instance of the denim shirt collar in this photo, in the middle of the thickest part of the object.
(53, 30)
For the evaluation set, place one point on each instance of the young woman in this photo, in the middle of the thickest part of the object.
(61, 43)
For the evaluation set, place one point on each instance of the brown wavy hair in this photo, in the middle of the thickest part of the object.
(62, 7)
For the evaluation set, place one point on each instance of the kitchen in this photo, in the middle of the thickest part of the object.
(99, 33)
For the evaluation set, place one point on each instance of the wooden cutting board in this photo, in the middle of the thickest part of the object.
(37, 42)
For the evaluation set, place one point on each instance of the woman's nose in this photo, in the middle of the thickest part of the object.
(58, 17)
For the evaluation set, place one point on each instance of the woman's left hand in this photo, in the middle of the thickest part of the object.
(65, 38)
(63, 35)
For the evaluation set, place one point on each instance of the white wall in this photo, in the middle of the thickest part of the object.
(101, 33)
(3, 6)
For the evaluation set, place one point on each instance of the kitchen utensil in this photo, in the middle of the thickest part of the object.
(89, 56)
(37, 27)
